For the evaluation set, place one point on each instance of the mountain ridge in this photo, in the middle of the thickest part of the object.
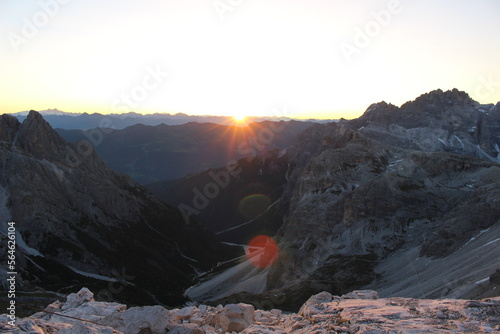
(74, 215)
(87, 121)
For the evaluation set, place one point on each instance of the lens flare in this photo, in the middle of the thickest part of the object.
(262, 251)
(254, 205)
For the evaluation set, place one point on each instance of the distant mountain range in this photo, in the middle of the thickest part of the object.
(165, 152)
(84, 121)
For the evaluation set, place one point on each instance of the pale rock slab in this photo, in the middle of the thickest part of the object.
(235, 317)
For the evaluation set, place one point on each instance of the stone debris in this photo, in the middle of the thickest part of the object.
(356, 312)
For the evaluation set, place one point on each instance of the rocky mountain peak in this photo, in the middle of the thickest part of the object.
(427, 105)
(37, 137)
(379, 112)
(439, 100)
(9, 125)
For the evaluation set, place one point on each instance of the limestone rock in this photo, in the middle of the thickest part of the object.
(82, 328)
(76, 299)
(236, 317)
(361, 294)
(185, 313)
(148, 319)
(322, 313)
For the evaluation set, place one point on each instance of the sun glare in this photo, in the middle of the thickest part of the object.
(239, 118)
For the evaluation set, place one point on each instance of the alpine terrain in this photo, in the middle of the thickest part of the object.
(77, 222)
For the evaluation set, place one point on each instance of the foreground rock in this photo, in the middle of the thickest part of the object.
(355, 312)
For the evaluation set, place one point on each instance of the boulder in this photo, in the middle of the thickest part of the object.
(145, 319)
(87, 328)
(314, 304)
(185, 313)
(76, 299)
(186, 329)
(361, 294)
(235, 317)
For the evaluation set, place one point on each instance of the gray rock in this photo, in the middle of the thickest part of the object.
(361, 294)
(76, 299)
(235, 317)
(185, 313)
(149, 319)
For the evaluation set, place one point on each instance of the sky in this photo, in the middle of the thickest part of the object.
(286, 58)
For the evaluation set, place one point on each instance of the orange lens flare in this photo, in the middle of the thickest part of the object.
(262, 251)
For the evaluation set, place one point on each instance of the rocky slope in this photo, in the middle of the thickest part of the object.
(355, 312)
(403, 200)
(78, 222)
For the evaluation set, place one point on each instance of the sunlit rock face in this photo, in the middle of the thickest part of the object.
(78, 221)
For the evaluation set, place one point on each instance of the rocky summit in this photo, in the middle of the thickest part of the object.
(78, 222)
(359, 311)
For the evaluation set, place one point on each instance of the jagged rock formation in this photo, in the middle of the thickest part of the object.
(402, 200)
(78, 221)
(437, 121)
(355, 312)
(356, 201)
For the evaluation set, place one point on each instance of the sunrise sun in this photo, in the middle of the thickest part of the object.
(239, 118)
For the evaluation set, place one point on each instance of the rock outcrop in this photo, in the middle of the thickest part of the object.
(78, 222)
(358, 196)
(356, 312)
(437, 121)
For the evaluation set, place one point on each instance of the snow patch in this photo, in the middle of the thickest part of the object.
(461, 143)
(5, 216)
(232, 244)
(26, 249)
(483, 280)
(474, 238)
(250, 221)
(91, 275)
(442, 142)
(491, 242)
(56, 170)
(183, 255)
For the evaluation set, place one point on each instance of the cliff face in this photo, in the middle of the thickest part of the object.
(437, 121)
(405, 179)
(402, 200)
(357, 201)
(77, 218)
